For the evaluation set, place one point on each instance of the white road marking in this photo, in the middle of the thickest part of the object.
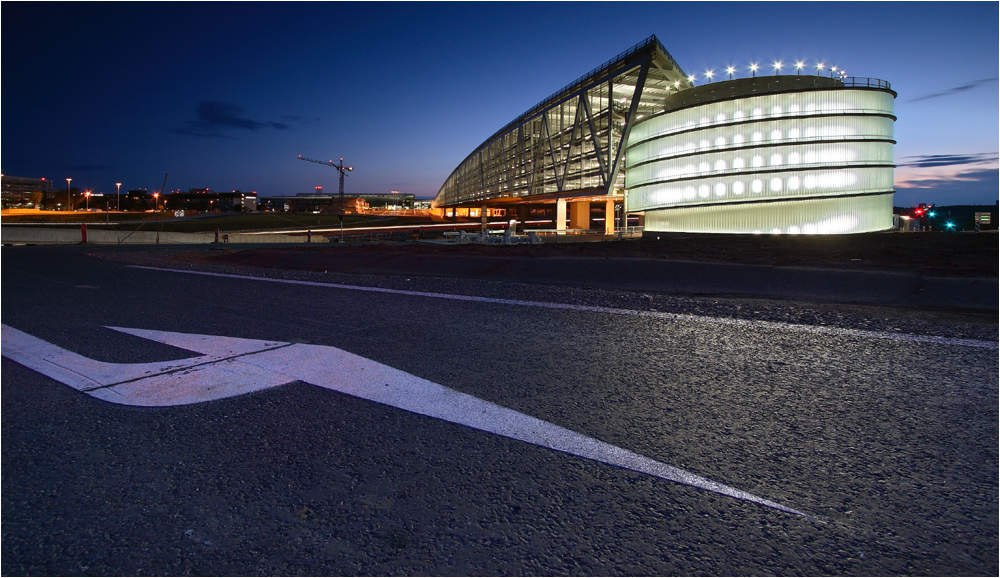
(817, 329)
(230, 366)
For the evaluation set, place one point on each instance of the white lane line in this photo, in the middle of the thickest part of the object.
(337, 370)
(816, 329)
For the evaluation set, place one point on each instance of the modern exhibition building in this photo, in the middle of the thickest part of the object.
(793, 153)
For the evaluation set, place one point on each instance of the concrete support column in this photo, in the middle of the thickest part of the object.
(579, 215)
(523, 211)
(560, 214)
(609, 217)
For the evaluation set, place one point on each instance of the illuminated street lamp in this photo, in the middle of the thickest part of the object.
(709, 74)
(691, 79)
(777, 68)
(730, 70)
(156, 201)
(87, 195)
(119, 196)
(833, 71)
(798, 67)
(819, 68)
(69, 196)
(753, 69)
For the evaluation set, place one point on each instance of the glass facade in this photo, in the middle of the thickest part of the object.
(728, 159)
(570, 143)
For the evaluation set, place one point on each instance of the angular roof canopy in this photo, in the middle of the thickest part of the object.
(571, 143)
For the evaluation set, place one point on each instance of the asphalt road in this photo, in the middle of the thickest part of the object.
(886, 438)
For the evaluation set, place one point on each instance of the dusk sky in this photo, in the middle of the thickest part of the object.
(225, 95)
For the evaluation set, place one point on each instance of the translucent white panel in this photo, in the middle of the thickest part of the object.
(761, 107)
(768, 132)
(813, 216)
(776, 157)
(778, 185)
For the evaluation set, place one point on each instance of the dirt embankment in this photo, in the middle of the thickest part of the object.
(934, 254)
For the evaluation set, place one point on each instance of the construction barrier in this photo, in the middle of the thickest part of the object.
(61, 236)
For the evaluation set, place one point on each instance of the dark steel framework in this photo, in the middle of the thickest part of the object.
(571, 144)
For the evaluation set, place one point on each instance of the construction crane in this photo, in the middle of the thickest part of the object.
(343, 173)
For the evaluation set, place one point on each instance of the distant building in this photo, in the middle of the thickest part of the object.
(208, 200)
(308, 203)
(24, 192)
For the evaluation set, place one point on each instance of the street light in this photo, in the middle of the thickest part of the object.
(119, 196)
(753, 69)
(798, 67)
(730, 70)
(777, 68)
(69, 196)
(87, 195)
(156, 202)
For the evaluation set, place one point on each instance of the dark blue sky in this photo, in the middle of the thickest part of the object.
(225, 95)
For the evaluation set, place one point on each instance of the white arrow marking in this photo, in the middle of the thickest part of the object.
(230, 366)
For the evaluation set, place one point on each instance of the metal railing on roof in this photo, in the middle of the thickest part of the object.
(761, 85)
(862, 82)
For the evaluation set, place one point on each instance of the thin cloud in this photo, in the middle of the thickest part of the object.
(955, 90)
(926, 161)
(215, 118)
(938, 180)
(954, 173)
(977, 187)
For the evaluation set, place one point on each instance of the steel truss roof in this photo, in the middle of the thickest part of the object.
(573, 141)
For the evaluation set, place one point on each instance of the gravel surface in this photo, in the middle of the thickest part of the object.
(981, 325)
(938, 254)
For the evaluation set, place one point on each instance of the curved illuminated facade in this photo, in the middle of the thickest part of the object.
(772, 154)
(778, 154)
